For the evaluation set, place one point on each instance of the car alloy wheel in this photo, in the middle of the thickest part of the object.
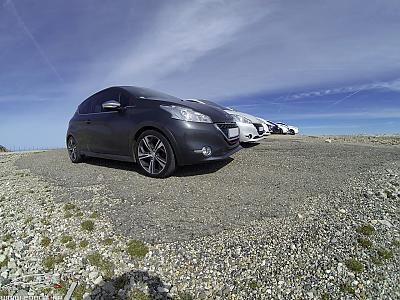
(152, 154)
(73, 151)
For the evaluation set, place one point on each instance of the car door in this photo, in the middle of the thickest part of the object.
(110, 128)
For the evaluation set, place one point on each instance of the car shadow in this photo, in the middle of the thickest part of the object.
(202, 169)
(132, 285)
(184, 171)
(249, 145)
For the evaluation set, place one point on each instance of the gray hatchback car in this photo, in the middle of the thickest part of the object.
(153, 129)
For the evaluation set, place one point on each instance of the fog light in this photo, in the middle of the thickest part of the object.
(206, 151)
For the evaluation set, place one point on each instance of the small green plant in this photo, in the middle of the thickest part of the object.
(366, 229)
(354, 265)
(68, 214)
(69, 206)
(365, 243)
(254, 285)
(64, 288)
(7, 237)
(79, 292)
(71, 245)
(4, 263)
(28, 220)
(137, 249)
(347, 288)
(45, 242)
(185, 296)
(45, 221)
(137, 294)
(97, 260)
(396, 243)
(66, 238)
(376, 260)
(94, 215)
(325, 296)
(50, 261)
(83, 243)
(384, 253)
(87, 225)
(107, 241)
(3, 293)
(79, 213)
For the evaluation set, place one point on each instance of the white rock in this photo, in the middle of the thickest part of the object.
(2, 258)
(99, 280)
(93, 275)
(342, 211)
(162, 290)
(328, 141)
(386, 223)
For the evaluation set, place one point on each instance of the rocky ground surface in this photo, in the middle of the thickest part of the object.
(291, 218)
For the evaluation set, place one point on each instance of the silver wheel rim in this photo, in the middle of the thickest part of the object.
(152, 154)
(72, 149)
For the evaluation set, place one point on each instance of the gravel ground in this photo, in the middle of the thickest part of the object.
(291, 218)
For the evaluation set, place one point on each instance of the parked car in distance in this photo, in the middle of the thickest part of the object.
(267, 126)
(157, 131)
(251, 129)
(275, 127)
(291, 129)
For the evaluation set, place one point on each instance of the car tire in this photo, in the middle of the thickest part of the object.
(73, 150)
(291, 132)
(154, 154)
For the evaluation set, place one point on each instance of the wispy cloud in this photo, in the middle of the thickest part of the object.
(393, 85)
(24, 27)
(179, 36)
(376, 114)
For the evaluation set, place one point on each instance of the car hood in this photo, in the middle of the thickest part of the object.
(253, 119)
(217, 115)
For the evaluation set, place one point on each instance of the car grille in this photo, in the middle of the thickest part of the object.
(259, 128)
(224, 127)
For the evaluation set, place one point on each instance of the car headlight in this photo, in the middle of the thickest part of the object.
(241, 119)
(186, 114)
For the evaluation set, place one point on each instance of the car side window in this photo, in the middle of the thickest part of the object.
(107, 95)
(87, 106)
(126, 99)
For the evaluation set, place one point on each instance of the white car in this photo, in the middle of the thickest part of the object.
(268, 127)
(274, 127)
(251, 129)
(291, 129)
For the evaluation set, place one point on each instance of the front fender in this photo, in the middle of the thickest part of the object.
(150, 125)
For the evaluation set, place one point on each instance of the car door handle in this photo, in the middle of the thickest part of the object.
(88, 121)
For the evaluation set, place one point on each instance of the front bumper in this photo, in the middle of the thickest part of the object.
(249, 133)
(191, 137)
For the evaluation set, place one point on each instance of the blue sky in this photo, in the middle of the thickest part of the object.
(327, 66)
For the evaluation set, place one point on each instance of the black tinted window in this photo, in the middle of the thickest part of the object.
(149, 94)
(87, 106)
(94, 103)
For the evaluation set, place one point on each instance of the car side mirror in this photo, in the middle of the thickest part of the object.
(111, 105)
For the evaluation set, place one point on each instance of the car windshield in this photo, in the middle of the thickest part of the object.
(213, 104)
(145, 93)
